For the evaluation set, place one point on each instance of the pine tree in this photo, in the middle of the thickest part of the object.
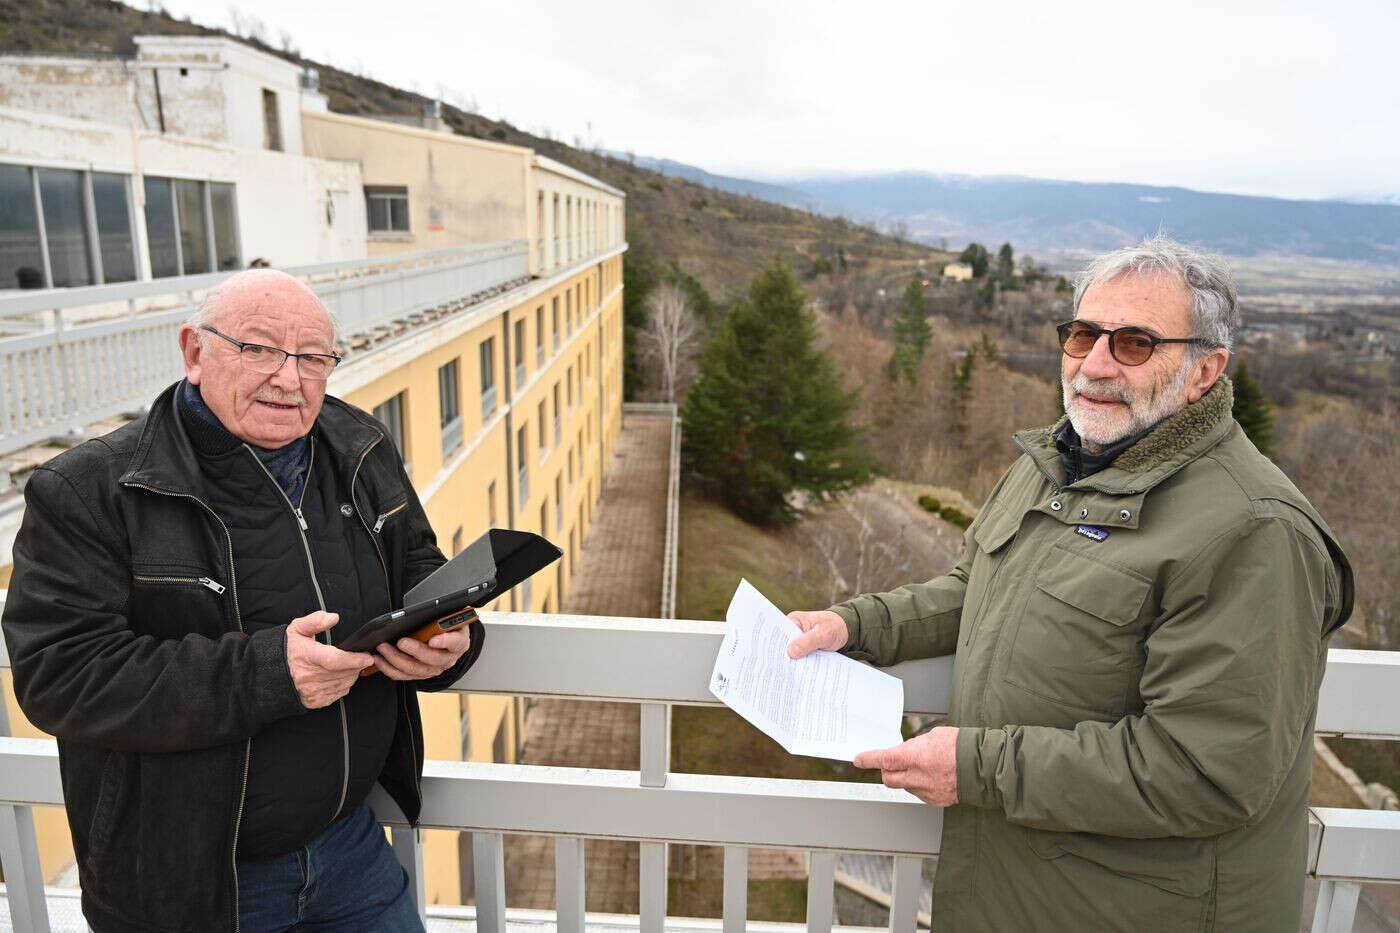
(911, 335)
(1253, 411)
(1006, 264)
(976, 256)
(767, 415)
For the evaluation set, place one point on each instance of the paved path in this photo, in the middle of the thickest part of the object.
(619, 573)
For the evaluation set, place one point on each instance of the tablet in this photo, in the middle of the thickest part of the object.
(487, 568)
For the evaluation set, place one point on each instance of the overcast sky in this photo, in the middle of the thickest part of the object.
(1293, 99)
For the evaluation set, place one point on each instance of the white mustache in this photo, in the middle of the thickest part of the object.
(278, 397)
(1103, 388)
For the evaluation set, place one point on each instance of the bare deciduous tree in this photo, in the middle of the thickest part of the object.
(670, 337)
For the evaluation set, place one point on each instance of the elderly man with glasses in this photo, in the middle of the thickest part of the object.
(180, 587)
(1139, 621)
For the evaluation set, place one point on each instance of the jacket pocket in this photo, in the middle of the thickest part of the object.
(1166, 883)
(1077, 641)
(172, 602)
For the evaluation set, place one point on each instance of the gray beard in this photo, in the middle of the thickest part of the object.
(1097, 432)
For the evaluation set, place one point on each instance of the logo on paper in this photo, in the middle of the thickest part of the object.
(721, 684)
(1089, 531)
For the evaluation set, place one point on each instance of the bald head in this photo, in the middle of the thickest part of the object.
(251, 288)
(270, 309)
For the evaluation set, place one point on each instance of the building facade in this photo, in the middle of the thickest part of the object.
(201, 155)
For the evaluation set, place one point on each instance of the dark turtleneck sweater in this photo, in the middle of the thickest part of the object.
(1080, 461)
(287, 464)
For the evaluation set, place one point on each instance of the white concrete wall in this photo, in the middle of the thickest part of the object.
(281, 197)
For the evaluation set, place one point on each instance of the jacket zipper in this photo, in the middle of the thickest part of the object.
(379, 522)
(206, 582)
(388, 585)
(238, 620)
(320, 600)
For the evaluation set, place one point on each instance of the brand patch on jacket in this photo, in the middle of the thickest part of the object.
(1089, 531)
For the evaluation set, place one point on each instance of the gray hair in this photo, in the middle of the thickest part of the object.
(207, 312)
(1215, 308)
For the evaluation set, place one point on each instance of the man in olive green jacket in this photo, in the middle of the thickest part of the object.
(1140, 621)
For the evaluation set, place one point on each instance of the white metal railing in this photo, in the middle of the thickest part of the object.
(451, 436)
(60, 379)
(659, 663)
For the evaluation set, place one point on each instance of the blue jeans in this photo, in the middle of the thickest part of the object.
(345, 879)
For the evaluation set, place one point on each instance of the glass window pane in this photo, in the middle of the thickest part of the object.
(160, 228)
(194, 248)
(61, 192)
(447, 393)
(225, 227)
(113, 227)
(21, 263)
(378, 209)
(398, 214)
(488, 376)
(391, 413)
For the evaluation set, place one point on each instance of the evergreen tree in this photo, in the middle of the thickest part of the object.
(962, 390)
(911, 334)
(767, 415)
(1253, 411)
(700, 300)
(976, 256)
(1006, 264)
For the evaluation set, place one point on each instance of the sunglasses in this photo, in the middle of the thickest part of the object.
(1131, 346)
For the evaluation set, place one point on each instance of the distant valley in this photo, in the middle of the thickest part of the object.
(1042, 216)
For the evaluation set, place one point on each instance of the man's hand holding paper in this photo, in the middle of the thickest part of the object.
(825, 705)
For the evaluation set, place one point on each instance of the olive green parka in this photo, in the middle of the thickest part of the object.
(1138, 656)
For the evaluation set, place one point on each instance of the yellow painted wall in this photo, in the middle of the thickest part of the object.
(460, 190)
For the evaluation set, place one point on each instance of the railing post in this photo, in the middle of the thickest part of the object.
(1336, 906)
(489, 869)
(653, 887)
(736, 888)
(407, 842)
(908, 882)
(19, 855)
(655, 763)
(821, 891)
(568, 884)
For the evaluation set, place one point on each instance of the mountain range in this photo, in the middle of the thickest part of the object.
(1041, 215)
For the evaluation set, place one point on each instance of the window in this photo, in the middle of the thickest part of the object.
(569, 386)
(449, 410)
(522, 465)
(544, 517)
(557, 424)
(111, 206)
(226, 255)
(21, 251)
(191, 226)
(61, 194)
(160, 228)
(272, 124)
(554, 313)
(544, 440)
(386, 207)
(390, 412)
(194, 233)
(558, 503)
(568, 312)
(519, 353)
(457, 542)
(488, 377)
(491, 504)
(570, 458)
(539, 336)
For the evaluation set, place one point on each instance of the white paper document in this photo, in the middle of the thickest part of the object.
(825, 705)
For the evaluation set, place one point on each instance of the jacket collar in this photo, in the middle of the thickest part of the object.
(165, 458)
(1172, 444)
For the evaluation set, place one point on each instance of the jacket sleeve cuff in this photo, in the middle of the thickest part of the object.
(979, 751)
(848, 612)
(274, 694)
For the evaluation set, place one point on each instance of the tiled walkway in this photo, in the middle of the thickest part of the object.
(619, 574)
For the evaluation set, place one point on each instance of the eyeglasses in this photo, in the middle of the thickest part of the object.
(257, 358)
(1131, 346)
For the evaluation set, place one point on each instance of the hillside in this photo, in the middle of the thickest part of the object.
(719, 237)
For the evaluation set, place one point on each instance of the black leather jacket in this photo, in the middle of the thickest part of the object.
(122, 649)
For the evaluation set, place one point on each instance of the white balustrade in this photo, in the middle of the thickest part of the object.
(75, 372)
